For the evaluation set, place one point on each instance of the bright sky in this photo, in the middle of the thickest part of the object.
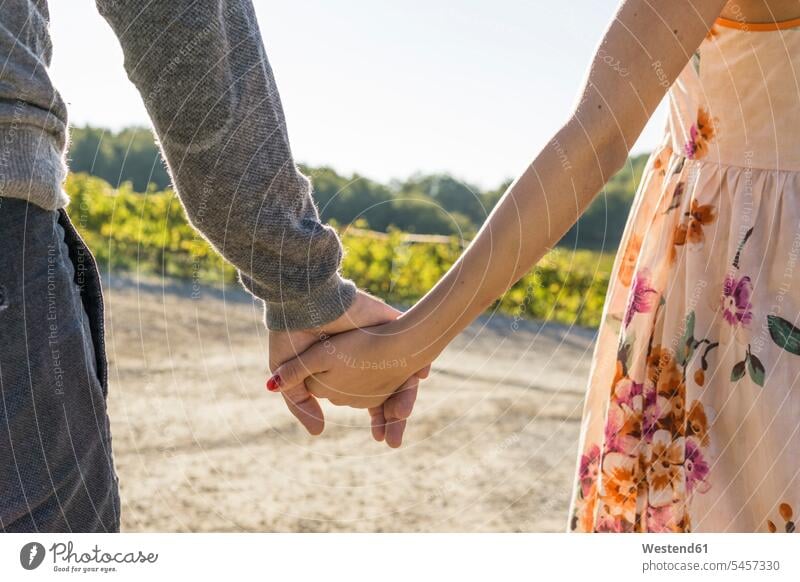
(473, 88)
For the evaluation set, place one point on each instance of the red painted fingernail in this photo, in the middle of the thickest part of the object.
(274, 383)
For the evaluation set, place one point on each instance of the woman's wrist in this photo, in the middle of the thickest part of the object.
(410, 336)
(424, 329)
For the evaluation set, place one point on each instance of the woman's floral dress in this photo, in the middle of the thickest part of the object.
(692, 416)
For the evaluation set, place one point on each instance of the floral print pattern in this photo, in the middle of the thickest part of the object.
(787, 520)
(628, 265)
(641, 298)
(691, 397)
(701, 134)
(736, 306)
(653, 457)
(692, 231)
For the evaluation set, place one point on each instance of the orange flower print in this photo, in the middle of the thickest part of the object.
(700, 216)
(584, 512)
(653, 456)
(666, 476)
(662, 369)
(623, 429)
(662, 160)
(692, 231)
(678, 239)
(680, 235)
(619, 485)
(701, 134)
(588, 472)
(628, 265)
(619, 372)
(658, 165)
(787, 515)
(697, 424)
(677, 396)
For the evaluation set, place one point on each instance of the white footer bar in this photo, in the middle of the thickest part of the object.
(390, 557)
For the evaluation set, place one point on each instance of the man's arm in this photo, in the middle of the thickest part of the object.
(202, 71)
(201, 68)
(33, 117)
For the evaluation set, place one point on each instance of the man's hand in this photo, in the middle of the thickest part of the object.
(362, 368)
(389, 417)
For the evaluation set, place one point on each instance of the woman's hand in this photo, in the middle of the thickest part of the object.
(365, 311)
(363, 369)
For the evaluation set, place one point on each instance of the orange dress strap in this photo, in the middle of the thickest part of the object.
(758, 26)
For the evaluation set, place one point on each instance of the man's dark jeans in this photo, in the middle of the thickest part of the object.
(56, 468)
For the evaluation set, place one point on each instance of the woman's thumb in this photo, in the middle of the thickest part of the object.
(295, 371)
(289, 379)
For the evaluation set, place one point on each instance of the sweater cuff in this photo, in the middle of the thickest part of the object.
(33, 167)
(324, 304)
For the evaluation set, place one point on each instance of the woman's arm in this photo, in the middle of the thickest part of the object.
(644, 50)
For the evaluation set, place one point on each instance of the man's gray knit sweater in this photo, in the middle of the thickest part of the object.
(201, 68)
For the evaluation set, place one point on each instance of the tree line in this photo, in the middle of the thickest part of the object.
(423, 203)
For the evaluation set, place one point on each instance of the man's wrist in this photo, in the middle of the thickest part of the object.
(313, 311)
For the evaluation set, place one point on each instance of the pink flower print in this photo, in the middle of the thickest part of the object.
(696, 466)
(691, 146)
(655, 408)
(641, 300)
(660, 519)
(700, 135)
(666, 475)
(607, 523)
(736, 304)
(620, 431)
(626, 392)
(589, 468)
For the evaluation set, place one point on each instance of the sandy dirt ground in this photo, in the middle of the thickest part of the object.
(201, 446)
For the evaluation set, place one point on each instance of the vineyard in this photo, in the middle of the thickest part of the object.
(148, 232)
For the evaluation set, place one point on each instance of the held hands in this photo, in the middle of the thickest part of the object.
(389, 405)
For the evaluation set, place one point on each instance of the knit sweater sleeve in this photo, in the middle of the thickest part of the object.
(202, 70)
